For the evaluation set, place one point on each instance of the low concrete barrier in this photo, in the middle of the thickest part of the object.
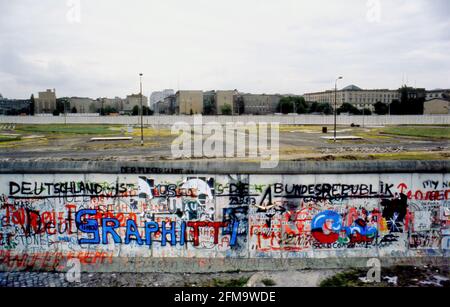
(211, 217)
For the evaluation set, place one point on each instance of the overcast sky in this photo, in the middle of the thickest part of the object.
(258, 46)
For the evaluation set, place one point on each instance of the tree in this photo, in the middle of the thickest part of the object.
(240, 106)
(410, 104)
(226, 109)
(396, 107)
(32, 104)
(313, 107)
(300, 105)
(62, 104)
(324, 108)
(367, 111)
(74, 110)
(147, 111)
(348, 108)
(108, 110)
(286, 105)
(135, 111)
(381, 108)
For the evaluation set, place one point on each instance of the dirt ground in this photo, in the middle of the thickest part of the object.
(401, 276)
(296, 143)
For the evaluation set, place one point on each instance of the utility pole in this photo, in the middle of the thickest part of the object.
(335, 106)
(142, 112)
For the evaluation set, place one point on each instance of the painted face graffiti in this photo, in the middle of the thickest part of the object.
(326, 227)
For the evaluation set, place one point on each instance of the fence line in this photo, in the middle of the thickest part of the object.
(286, 120)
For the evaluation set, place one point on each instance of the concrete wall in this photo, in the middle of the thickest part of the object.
(290, 120)
(152, 217)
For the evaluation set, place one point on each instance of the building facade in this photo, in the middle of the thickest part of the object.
(114, 104)
(223, 98)
(14, 106)
(158, 96)
(46, 102)
(189, 102)
(134, 100)
(259, 104)
(82, 105)
(438, 93)
(166, 106)
(354, 95)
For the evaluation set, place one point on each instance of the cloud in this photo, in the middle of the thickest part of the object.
(285, 46)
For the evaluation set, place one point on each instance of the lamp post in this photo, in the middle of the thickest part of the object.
(364, 115)
(65, 112)
(335, 106)
(142, 112)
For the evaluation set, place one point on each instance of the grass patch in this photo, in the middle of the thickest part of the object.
(4, 139)
(345, 279)
(373, 134)
(151, 132)
(117, 144)
(69, 129)
(302, 128)
(426, 132)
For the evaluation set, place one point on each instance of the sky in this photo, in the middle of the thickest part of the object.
(97, 48)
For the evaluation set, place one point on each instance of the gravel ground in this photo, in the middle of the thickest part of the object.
(46, 279)
(397, 276)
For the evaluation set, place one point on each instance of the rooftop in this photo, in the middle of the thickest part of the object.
(352, 87)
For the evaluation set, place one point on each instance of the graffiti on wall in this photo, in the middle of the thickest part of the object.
(175, 215)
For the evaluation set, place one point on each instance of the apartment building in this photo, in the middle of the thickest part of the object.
(438, 94)
(46, 102)
(189, 102)
(83, 105)
(223, 98)
(260, 104)
(14, 106)
(360, 98)
(166, 106)
(134, 100)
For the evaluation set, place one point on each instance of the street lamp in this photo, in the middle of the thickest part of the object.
(364, 115)
(335, 106)
(142, 113)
